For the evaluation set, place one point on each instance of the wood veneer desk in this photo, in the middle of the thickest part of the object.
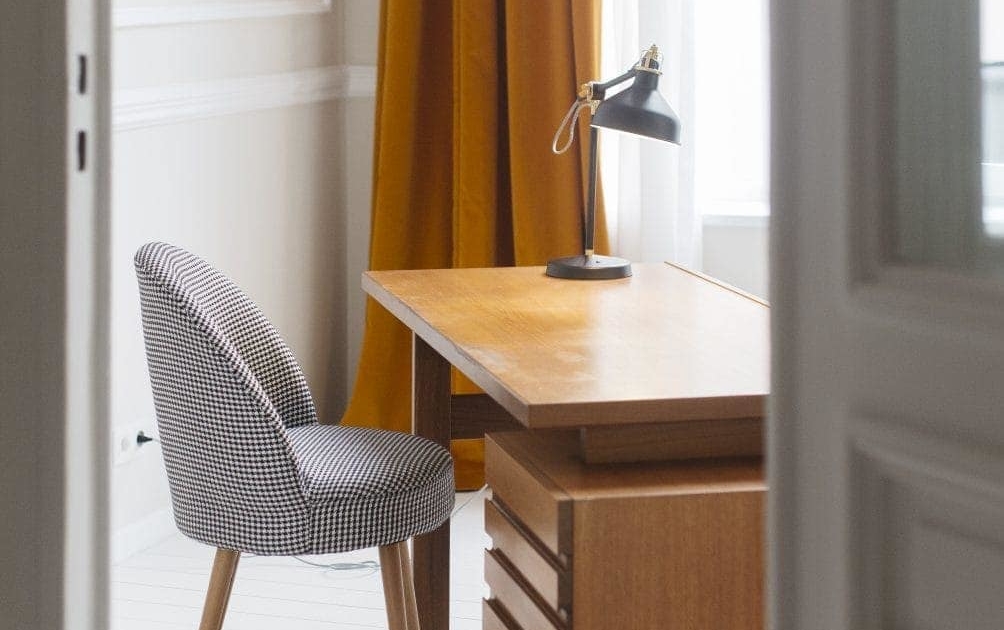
(664, 364)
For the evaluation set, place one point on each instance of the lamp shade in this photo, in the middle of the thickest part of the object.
(640, 110)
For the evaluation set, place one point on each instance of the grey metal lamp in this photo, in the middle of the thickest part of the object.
(640, 110)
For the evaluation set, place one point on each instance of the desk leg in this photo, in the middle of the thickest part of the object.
(431, 419)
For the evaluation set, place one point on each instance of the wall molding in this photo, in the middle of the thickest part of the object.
(759, 221)
(360, 81)
(135, 108)
(193, 12)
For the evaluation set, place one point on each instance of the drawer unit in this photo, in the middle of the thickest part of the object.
(514, 595)
(494, 618)
(531, 497)
(661, 545)
(535, 563)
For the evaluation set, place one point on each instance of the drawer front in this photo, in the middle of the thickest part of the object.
(529, 557)
(529, 495)
(494, 618)
(516, 598)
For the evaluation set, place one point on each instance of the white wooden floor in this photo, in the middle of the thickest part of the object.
(163, 587)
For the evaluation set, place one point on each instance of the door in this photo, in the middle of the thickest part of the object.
(886, 440)
(54, 155)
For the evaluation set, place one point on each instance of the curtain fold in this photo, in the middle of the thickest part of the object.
(652, 209)
(469, 95)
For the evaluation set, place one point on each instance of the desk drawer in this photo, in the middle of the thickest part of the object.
(529, 495)
(516, 597)
(494, 618)
(540, 568)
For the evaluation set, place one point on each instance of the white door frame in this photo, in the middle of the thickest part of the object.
(804, 203)
(54, 327)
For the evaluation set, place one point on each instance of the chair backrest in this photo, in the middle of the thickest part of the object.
(225, 389)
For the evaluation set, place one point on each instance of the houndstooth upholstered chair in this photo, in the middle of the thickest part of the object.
(249, 467)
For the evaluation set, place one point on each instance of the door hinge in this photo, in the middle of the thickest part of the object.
(81, 150)
(81, 74)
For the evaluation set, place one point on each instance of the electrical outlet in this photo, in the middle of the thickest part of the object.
(125, 448)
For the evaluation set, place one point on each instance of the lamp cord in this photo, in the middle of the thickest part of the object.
(570, 120)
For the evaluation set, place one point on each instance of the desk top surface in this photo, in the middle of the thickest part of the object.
(665, 344)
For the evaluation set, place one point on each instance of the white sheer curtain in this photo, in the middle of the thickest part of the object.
(649, 185)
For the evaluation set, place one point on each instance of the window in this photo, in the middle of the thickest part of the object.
(731, 103)
(716, 78)
(992, 57)
(659, 198)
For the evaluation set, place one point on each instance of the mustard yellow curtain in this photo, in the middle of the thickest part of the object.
(469, 95)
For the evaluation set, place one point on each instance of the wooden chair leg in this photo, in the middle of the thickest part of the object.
(221, 580)
(399, 587)
(408, 579)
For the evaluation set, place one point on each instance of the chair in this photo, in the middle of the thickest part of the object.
(250, 468)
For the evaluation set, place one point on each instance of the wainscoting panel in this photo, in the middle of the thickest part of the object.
(928, 534)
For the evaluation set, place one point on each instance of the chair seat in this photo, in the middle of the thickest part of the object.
(370, 487)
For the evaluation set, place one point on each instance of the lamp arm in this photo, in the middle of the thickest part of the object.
(591, 93)
(598, 91)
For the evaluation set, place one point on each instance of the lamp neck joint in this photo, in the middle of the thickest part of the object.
(650, 61)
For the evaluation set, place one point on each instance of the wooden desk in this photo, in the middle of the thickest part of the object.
(666, 358)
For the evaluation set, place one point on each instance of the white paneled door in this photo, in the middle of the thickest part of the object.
(886, 448)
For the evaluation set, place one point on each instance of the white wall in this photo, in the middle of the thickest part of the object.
(735, 251)
(361, 30)
(246, 140)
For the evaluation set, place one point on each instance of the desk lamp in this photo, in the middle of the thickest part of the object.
(640, 110)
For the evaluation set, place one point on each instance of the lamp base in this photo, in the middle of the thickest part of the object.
(588, 267)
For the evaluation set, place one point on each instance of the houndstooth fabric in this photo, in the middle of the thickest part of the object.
(249, 466)
(404, 488)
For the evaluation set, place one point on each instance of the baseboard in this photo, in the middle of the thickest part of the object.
(135, 537)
